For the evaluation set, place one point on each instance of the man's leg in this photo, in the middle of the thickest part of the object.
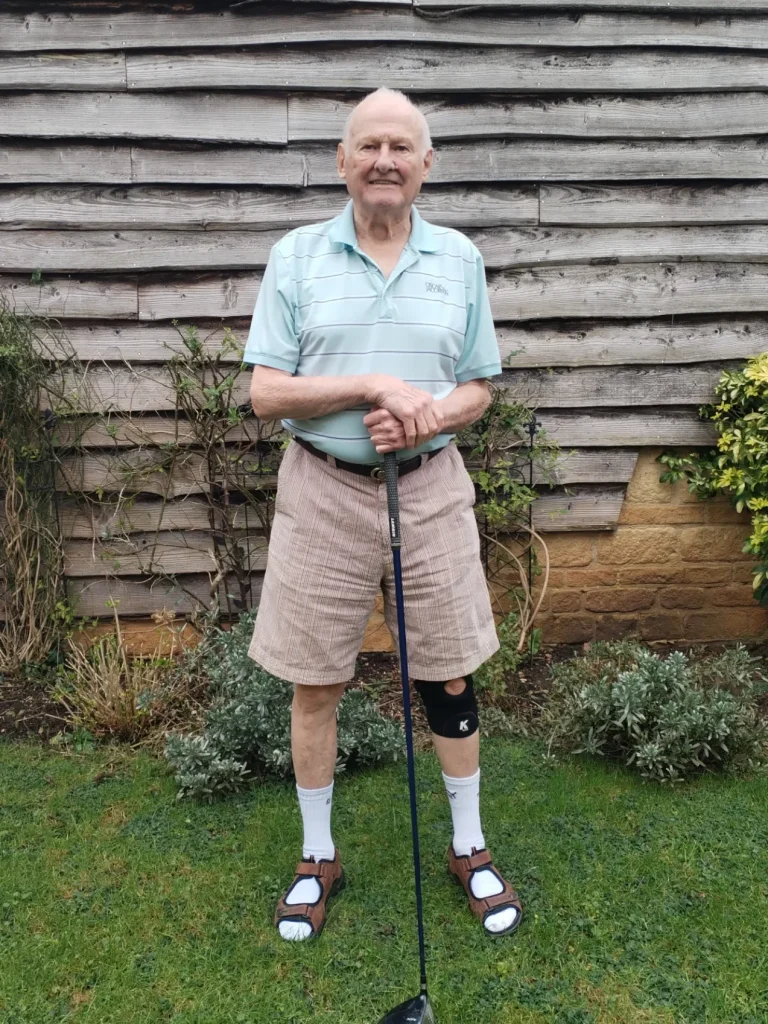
(313, 747)
(459, 757)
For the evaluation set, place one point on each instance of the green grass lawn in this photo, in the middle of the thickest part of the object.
(119, 904)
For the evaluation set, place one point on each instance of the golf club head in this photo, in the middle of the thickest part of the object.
(413, 1011)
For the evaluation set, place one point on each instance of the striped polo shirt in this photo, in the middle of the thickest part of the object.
(326, 309)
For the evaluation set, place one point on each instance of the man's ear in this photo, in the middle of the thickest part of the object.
(340, 161)
(428, 158)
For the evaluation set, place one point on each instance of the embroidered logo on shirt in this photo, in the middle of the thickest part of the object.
(440, 288)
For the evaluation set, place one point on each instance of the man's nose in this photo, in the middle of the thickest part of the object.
(384, 156)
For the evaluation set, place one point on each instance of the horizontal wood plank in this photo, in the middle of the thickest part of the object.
(71, 297)
(143, 207)
(94, 597)
(78, 72)
(163, 553)
(124, 251)
(593, 205)
(616, 342)
(447, 69)
(589, 508)
(642, 6)
(152, 471)
(35, 162)
(633, 290)
(626, 386)
(321, 118)
(487, 162)
(126, 30)
(200, 117)
(207, 296)
(133, 343)
(573, 343)
(600, 428)
(607, 427)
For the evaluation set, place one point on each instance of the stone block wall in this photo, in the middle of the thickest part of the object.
(672, 570)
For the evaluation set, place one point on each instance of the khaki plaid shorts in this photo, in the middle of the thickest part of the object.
(330, 556)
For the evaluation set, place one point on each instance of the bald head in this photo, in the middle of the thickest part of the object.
(383, 105)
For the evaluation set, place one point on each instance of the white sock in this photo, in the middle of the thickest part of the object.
(464, 798)
(315, 807)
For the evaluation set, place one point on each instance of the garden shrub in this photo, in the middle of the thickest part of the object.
(668, 718)
(248, 726)
(738, 467)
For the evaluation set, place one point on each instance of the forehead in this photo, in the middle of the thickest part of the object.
(386, 121)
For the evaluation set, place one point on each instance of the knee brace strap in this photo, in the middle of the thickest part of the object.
(450, 715)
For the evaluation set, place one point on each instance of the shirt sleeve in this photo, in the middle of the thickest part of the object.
(480, 356)
(273, 337)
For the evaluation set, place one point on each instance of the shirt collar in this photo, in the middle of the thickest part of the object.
(342, 230)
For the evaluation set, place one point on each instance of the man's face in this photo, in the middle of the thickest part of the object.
(384, 163)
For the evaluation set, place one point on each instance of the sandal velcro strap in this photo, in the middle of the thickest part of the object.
(463, 868)
(330, 879)
(478, 860)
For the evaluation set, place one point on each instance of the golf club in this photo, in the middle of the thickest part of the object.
(417, 1010)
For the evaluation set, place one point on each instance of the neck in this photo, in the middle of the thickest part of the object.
(382, 228)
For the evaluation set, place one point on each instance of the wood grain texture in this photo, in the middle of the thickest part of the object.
(488, 162)
(162, 553)
(208, 296)
(127, 343)
(320, 118)
(110, 251)
(600, 428)
(125, 251)
(186, 592)
(591, 205)
(632, 290)
(617, 342)
(140, 388)
(36, 162)
(625, 386)
(142, 207)
(78, 72)
(126, 30)
(71, 297)
(199, 117)
(448, 69)
(582, 508)
(643, 6)
(646, 427)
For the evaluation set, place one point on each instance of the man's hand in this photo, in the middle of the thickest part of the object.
(412, 417)
(387, 432)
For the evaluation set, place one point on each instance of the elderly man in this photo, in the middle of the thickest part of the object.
(373, 333)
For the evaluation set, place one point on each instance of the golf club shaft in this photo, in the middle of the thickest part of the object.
(393, 505)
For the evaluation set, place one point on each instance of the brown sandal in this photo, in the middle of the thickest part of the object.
(462, 868)
(330, 878)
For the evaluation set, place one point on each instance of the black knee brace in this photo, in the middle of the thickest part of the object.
(451, 715)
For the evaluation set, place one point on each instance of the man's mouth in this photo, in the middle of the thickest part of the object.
(383, 181)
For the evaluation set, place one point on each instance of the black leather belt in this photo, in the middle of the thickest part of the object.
(376, 471)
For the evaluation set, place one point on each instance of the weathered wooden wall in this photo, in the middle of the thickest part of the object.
(608, 160)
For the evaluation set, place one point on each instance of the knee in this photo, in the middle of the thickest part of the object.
(451, 707)
(317, 701)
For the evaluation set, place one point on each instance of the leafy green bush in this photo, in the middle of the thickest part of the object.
(248, 726)
(738, 466)
(494, 675)
(668, 718)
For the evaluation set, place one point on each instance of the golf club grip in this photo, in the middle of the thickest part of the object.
(393, 505)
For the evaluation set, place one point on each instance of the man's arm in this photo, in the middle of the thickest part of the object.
(277, 394)
(465, 404)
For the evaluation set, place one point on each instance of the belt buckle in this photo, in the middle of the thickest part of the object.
(377, 472)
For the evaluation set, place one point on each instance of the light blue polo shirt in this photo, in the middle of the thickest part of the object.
(325, 309)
